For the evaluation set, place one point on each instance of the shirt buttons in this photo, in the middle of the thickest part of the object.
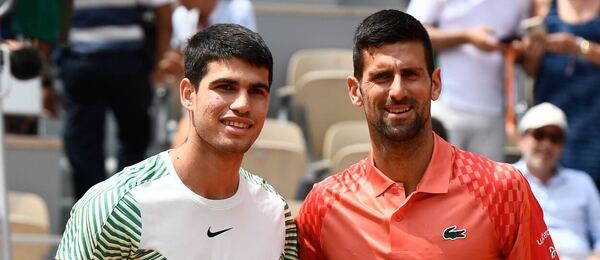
(397, 217)
(395, 189)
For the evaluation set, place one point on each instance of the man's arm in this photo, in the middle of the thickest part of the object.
(428, 12)
(91, 235)
(593, 216)
(163, 29)
(309, 227)
(532, 240)
(480, 36)
(163, 38)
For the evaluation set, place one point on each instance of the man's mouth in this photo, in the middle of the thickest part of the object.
(398, 110)
(236, 124)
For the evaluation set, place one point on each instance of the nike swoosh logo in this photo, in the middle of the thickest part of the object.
(213, 234)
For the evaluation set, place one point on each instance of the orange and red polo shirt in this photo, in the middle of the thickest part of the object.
(464, 207)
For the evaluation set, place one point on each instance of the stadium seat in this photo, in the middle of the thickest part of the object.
(342, 134)
(279, 156)
(322, 99)
(28, 215)
(307, 60)
(349, 155)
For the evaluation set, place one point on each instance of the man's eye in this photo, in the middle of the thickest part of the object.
(382, 77)
(258, 91)
(410, 75)
(225, 87)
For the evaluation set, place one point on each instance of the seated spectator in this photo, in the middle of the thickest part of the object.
(568, 197)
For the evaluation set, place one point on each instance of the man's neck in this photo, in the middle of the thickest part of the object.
(406, 161)
(207, 172)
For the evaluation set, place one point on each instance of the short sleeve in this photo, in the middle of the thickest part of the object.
(90, 234)
(593, 211)
(532, 239)
(426, 11)
(291, 236)
(309, 226)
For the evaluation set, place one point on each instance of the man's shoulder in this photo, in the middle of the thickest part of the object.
(575, 174)
(469, 167)
(332, 188)
(261, 186)
(348, 180)
(109, 193)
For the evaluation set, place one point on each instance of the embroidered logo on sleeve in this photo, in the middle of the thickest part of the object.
(451, 233)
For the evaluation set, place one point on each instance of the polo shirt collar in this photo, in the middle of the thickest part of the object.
(435, 179)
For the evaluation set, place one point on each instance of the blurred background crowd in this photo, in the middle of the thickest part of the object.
(107, 97)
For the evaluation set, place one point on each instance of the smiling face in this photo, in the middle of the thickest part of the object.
(395, 90)
(229, 107)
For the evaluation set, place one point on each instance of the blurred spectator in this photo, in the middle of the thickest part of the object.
(467, 35)
(193, 16)
(568, 197)
(566, 65)
(37, 24)
(106, 68)
(439, 128)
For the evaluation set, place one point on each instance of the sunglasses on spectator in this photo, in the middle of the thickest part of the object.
(554, 137)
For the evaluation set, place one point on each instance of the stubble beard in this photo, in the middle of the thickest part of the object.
(401, 133)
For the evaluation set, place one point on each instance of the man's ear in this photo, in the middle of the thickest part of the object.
(436, 84)
(354, 91)
(187, 93)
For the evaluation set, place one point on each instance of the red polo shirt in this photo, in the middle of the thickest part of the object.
(464, 207)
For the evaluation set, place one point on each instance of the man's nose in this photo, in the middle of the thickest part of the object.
(241, 103)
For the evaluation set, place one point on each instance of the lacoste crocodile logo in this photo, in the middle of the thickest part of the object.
(213, 234)
(451, 233)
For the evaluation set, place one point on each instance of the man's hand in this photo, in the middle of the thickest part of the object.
(482, 38)
(170, 69)
(50, 102)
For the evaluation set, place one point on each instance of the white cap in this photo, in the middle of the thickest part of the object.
(541, 115)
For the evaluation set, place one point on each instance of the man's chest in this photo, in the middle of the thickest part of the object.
(425, 227)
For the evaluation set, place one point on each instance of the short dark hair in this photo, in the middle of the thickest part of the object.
(221, 42)
(387, 27)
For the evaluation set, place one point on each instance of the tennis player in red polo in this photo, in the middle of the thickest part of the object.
(415, 196)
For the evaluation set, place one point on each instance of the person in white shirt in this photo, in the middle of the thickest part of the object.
(568, 197)
(195, 201)
(194, 15)
(466, 35)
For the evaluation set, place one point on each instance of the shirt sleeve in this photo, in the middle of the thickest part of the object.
(426, 11)
(532, 239)
(291, 236)
(309, 227)
(91, 235)
(593, 212)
